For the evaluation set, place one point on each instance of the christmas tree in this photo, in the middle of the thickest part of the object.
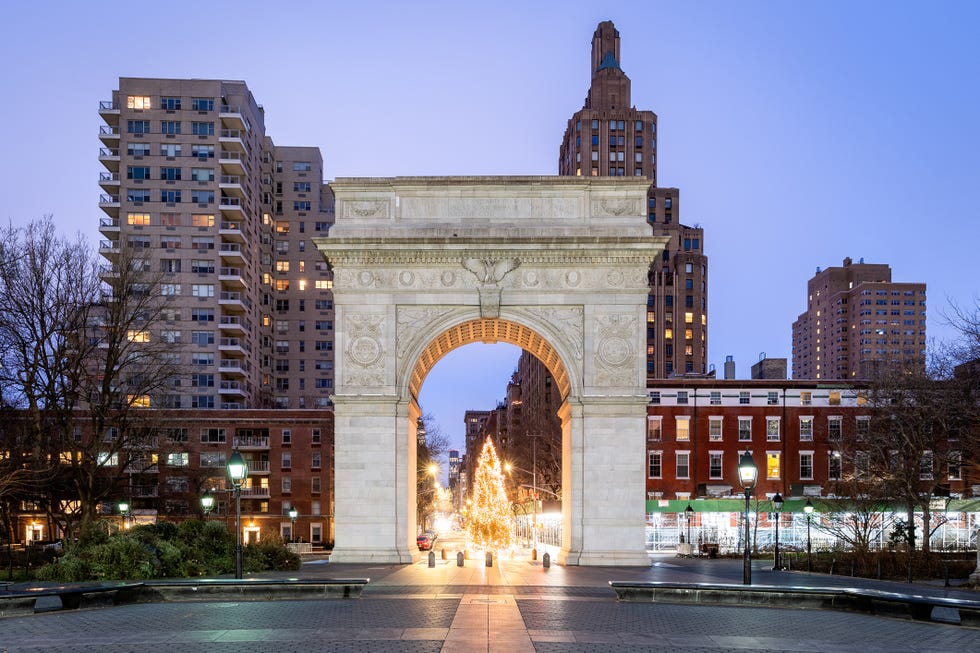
(489, 523)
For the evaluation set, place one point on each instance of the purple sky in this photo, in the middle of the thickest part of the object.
(798, 133)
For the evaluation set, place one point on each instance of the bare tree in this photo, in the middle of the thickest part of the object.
(80, 358)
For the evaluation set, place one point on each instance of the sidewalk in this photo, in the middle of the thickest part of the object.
(515, 606)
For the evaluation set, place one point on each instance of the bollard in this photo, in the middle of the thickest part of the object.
(546, 560)
(489, 559)
(459, 559)
(432, 558)
(534, 553)
(444, 554)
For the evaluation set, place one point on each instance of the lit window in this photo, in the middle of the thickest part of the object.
(202, 220)
(140, 102)
(683, 428)
(654, 428)
(806, 428)
(302, 284)
(139, 401)
(323, 284)
(134, 335)
(138, 219)
(715, 429)
(772, 465)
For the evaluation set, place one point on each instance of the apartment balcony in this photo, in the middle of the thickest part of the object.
(109, 135)
(231, 277)
(109, 156)
(109, 225)
(109, 111)
(110, 204)
(232, 163)
(109, 247)
(231, 231)
(231, 185)
(144, 491)
(232, 252)
(109, 181)
(231, 346)
(248, 442)
(232, 140)
(230, 207)
(231, 300)
(232, 366)
(258, 466)
(232, 117)
(232, 323)
(232, 388)
(232, 405)
(255, 493)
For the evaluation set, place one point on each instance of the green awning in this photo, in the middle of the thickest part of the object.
(789, 505)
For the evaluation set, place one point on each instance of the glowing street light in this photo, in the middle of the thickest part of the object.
(124, 513)
(747, 475)
(237, 473)
(207, 503)
(808, 511)
(293, 514)
(688, 514)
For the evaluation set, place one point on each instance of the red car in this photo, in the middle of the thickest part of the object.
(426, 541)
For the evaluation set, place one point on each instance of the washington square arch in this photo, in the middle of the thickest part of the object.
(555, 265)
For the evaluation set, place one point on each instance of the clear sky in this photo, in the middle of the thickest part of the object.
(798, 133)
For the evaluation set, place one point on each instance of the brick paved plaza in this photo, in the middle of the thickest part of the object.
(515, 606)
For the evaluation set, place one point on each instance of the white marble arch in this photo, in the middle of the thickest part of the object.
(557, 266)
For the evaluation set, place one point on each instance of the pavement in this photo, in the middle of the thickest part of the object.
(515, 606)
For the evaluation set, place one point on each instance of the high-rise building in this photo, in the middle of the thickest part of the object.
(610, 137)
(196, 188)
(858, 323)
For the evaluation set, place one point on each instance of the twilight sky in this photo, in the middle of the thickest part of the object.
(798, 133)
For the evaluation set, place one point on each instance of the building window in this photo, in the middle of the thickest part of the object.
(202, 174)
(926, 466)
(862, 464)
(180, 459)
(834, 398)
(138, 102)
(138, 126)
(743, 398)
(170, 127)
(212, 435)
(806, 429)
(315, 460)
(654, 426)
(287, 460)
(681, 397)
(170, 103)
(683, 464)
(714, 429)
(772, 398)
(806, 398)
(202, 104)
(715, 465)
(834, 427)
(202, 290)
(955, 463)
(772, 465)
(834, 468)
(683, 428)
(744, 429)
(806, 465)
(715, 399)
(213, 459)
(862, 428)
(772, 429)
(287, 436)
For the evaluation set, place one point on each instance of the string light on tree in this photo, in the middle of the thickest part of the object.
(489, 522)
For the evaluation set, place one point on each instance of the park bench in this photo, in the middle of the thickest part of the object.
(911, 606)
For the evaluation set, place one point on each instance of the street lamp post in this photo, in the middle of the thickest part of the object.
(237, 473)
(534, 499)
(808, 511)
(747, 475)
(293, 514)
(688, 513)
(777, 505)
(207, 503)
(124, 513)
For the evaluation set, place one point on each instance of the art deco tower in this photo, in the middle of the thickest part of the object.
(610, 137)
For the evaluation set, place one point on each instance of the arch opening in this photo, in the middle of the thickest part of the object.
(490, 330)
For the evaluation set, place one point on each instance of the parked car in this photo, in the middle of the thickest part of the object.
(426, 541)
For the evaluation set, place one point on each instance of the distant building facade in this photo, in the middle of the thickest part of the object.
(610, 137)
(859, 323)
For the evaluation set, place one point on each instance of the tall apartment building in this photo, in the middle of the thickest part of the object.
(858, 323)
(196, 186)
(610, 137)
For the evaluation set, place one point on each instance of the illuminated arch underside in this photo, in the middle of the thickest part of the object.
(489, 331)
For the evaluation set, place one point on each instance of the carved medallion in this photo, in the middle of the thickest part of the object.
(365, 353)
(615, 354)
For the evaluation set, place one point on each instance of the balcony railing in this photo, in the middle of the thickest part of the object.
(108, 176)
(108, 130)
(230, 272)
(231, 364)
(227, 154)
(232, 405)
(108, 152)
(226, 296)
(255, 493)
(108, 105)
(231, 179)
(230, 247)
(108, 222)
(108, 199)
(230, 201)
(230, 342)
(258, 466)
(231, 320)
(231, 133)
(251, 441)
